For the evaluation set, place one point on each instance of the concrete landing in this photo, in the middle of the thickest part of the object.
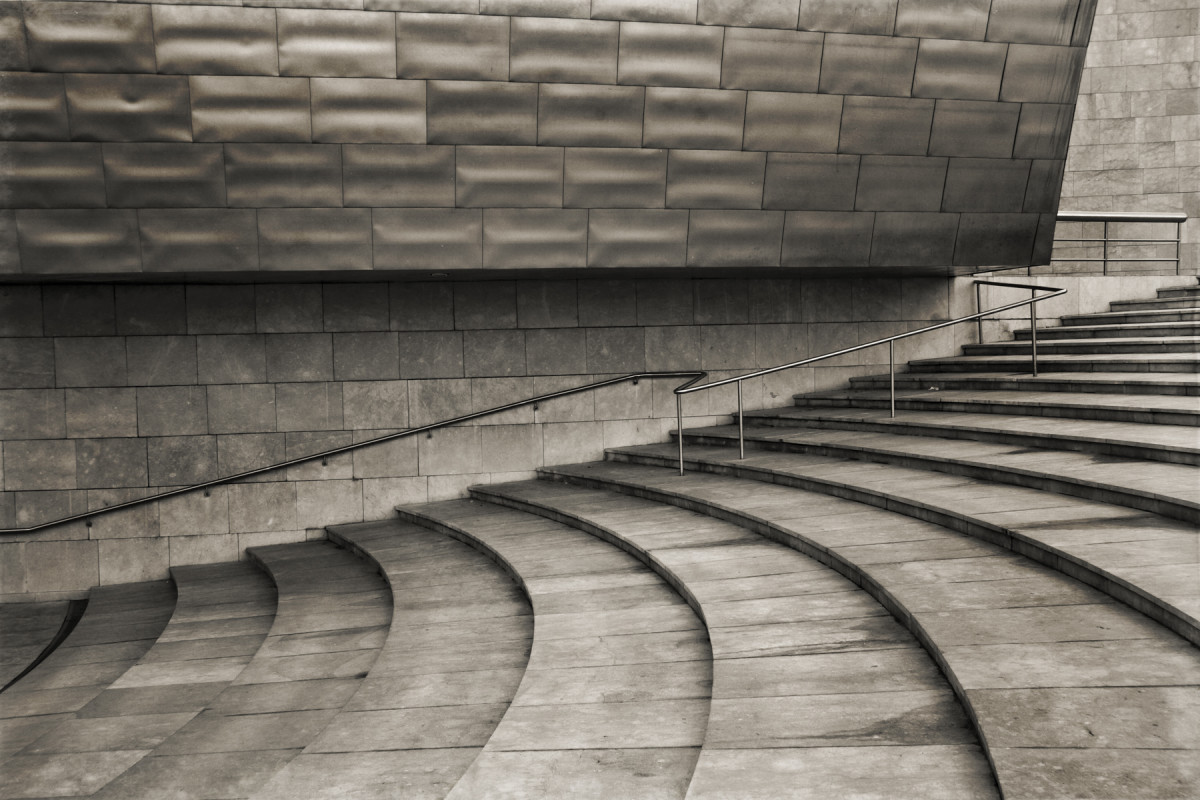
(1075, 696)
(25, 631)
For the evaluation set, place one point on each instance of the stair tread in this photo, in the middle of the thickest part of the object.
(1176, 483)
(281, 697)
(1051, 358)
(576, 691)
(1182, 378)
(1146, 313)
(1183, 438)
(803, 658)
(1135, 402)
(1155, 556)
(1016, 638)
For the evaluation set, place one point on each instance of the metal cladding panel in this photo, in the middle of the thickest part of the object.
(14, 53)
(974, 128)
(368, 110)
(959, 70)
(848, 16)
(624, 237)
(452, 46)
(129, 108)
(868, 65)
(734, 238)
(694, 118)
(199, 239)
(337, 43)
(1033, 21)
(645, 10)
(283, 175)
(943, 19)
(10, 247)
(482, 112)
(886, 125)
(995, 239)
(314, 238)
(1044, 130)
(715, 179)
(33, 106)
(1043, 240)
(89, 37)
(1045, 185)
(614, 178)
(1080, 37)
(985, 184)
(670, 55)
(509, 177)
(148, 175)
(215, 40)
(564, 50)
(447, 6)
(913, 239)
(578, 9)
(246, 109)
(51, 175)
(78, 240)
(749, 13)
(430, 238)
(900, 183)
(785, 61)
(520, 238)
(398, 175)
(590, 116)
(806, 123)
(827, 238)
(810, 181)
(1036, 73)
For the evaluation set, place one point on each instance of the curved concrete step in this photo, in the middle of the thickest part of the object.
(120, 624)
(616, 694)
(187, 666)
(1076, 696)
(1149, 383)
(1170, 490)
(1124, 317)
(1137, 409)
(1053, 362)
(1146, 561)
(1103, 332)
(26, 630)
(1089, 346)
(1177, 444)
(816, 689)
(331, 617)
(455, 652)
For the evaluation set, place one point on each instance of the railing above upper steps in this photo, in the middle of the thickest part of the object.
(1106, 249)
(689, 387)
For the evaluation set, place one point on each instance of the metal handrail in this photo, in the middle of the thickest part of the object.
(890, 341)
(1106, 217)
(693, 375)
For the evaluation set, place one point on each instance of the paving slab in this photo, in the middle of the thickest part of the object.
(372, 775)
(25, 630)
(648, 774)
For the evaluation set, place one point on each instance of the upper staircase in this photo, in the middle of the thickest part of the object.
(996, 593)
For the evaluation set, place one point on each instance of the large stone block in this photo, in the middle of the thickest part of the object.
(438, 400)
(161, 360)
(616, 350)
(375, 404)
(239, 358)
(57, 566)
(366, 356)
(262, 507)
(220, 309)
(397, 458)
(26, 363)
(422, 306)
(78, 310)
(101, 412)
(299, 357)
(321, 503)
(570, 442)
(508, 448)
(485, 305)
(92, 361)
(355, 306)
(241, 408)
(32, 414)
(40, 464)
(181, 460)
(664, 302)
(546, 304)
(431, 354)
(451, 451)
(21, 310)
(721, 302)
(308, 406)
(488, 353)
(556, 351)
(111, 463)
(172, 410)
(288, 307)
(195, 513)
(241, 452)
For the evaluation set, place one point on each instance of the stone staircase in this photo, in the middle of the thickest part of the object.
(994, 594)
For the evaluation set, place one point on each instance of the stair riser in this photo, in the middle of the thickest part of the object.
(1151, 305)
(1189, 367)
(1059, 412)
(1081, 332)
(1045, 481)
(1015, 385)
(1130, 319)
(1057, 560)
(1119, 449)
(1191, 291)
(1098, 347)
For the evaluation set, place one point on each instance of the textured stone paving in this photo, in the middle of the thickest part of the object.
(329, 624)
(1075, 695)
(615, 699)
(805, 663)
(25, 630)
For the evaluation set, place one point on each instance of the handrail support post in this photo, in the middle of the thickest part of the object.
(1033, 332)
(679, 427)
(978, 309)
(892, 376)
(741, 425)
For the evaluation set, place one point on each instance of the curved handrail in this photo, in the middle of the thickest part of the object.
(692, 375)
(890, 341)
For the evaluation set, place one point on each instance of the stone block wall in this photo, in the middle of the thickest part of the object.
(116, 391)
(1135, 145)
